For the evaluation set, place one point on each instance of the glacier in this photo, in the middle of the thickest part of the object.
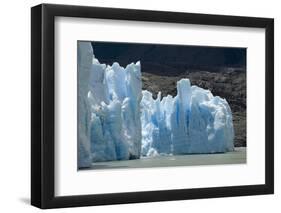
(194, 121)
(109, 122)
(119, 121)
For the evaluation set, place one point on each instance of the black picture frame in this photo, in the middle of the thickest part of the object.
(43, 105)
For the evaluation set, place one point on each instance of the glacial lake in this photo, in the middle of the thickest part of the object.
(238, 156)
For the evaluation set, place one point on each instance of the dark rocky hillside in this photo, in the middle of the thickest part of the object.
(170, 60)
(230, 85)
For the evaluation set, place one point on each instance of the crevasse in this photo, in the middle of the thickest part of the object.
(119, 121)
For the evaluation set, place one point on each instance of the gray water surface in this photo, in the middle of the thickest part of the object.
(238, 156)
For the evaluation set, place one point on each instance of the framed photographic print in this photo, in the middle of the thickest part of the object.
(139, 106)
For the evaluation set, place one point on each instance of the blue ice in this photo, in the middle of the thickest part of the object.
(119, 121)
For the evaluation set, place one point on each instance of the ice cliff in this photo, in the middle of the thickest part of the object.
(119, 121)
(194, 121)
(109, 109)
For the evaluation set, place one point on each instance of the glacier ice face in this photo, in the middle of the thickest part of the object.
(85, 55)
(194, 121)
(119, 121)
(112, 97)
(155, 120)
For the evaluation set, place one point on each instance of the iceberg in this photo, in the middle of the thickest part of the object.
(119, 121)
